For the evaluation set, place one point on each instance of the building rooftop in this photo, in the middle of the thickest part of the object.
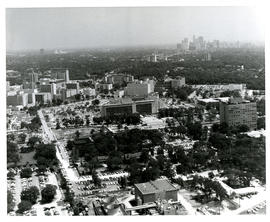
(155, 186)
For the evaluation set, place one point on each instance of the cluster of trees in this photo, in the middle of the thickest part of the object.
(128, 141)
(28, 199)
(261, 107)
(229, 93)
(208, 187)
(149, 168)
(34, 125)
(223, 128)
(48, 193)
(199, 158)
(46, 156)
(222, 69)
(240, 152)
(172, 112)
(77, 121)
(96, 179)
(10, 201)
(12, 152)
(114, 146)
(26, 173)
(129, 119)
(181, 93)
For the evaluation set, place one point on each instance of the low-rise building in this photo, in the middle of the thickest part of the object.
(128, 106)
(152, 191)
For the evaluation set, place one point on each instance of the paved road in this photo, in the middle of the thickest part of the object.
(59, 150)
(186, 204)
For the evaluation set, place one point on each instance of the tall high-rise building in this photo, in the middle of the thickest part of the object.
(60, 74)
(33, 77)
(67, 76)
(237, 112)
(185, 44)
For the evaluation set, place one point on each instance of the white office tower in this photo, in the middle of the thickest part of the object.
(67, 76)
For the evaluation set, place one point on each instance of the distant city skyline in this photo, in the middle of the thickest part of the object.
(51, 28)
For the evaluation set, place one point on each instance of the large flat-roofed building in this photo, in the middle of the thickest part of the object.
(48, 88)
(18, 98)
(170, 83)
(43, 98)
(128, 106)
(237, 112)
(118, 78)
(139, 89)
(103, 86)
(73, 86)
(59, 73)
(152, 191)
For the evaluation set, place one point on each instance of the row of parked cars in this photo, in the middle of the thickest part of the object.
(49, 211)
(26, 183)
(255, 209)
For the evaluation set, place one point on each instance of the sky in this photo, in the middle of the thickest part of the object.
(50, 28)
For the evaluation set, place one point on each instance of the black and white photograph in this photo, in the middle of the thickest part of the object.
(135, 111)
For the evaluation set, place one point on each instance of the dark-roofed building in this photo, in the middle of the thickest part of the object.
(154, 190)
(129, 106)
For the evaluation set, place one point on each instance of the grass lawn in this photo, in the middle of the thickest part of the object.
(27, 157)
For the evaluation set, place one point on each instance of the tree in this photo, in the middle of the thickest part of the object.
(96, 179)
(195, 130)
(12, 152)
(144, 157)
(10, 137)
(123, 182)
(10, 201)
(87, 121)
(30, 194)
(26, 173)
(114, 160)
(168, 171)
(22, 137)
(48, 193)
(135, 172)
(23, 206)
(69, 145)
(46, 155)
(77, 134)
(57, 125)
(78, 97)
(261, 123)
(228, 93)
(10, 175)
(33, 141)
(243, 128)
(95, 102)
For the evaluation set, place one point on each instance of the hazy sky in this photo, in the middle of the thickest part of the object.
(96, 27)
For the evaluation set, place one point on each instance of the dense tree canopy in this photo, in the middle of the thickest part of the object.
(48, 193)
(31, 194)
